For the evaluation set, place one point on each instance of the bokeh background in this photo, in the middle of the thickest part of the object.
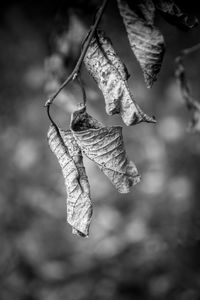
(143, 245)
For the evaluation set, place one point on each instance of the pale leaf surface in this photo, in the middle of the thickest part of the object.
(109, 72)
(146, 40)
(79, 207)
(105, 146)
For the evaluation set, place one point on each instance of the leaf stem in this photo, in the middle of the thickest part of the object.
(82, 88)
(76, 69)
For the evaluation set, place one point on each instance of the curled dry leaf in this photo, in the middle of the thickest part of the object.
(68, 153)
(174, 15)
(146, 40)
(109, 72)
(104, 146)
(191, 103)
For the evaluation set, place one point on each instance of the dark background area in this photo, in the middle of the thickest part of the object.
(143, 245)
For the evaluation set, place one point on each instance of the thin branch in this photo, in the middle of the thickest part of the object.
(75, 72)
(49, 116)
(191, 103)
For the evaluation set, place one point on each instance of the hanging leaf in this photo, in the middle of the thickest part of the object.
(147, 42)
(106, 47)
(192, 104)
(174, 15)
(109, 72)
(104, 146)
(79, 207)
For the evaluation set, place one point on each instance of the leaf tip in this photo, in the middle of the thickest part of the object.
(80, 233)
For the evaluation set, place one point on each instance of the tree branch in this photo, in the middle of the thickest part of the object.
(76, 70)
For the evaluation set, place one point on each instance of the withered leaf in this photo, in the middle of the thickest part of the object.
(69, 155)
(192, 104)
(146, 40)
(105, 45)
(109, 72)
(174, 14)
(104, 146)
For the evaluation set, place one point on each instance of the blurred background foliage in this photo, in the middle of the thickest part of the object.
(143, 245)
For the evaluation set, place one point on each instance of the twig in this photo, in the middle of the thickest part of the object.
(49, 116)
(75, 72)
(191, 102)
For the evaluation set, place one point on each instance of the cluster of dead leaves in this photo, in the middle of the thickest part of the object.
(105, 147)
(87, 136)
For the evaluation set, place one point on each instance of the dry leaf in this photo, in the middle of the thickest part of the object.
(68, 153)
(106, 47)
(104, 146)
(191, 103)
(147, 42)
(110, 74)
(174, 15)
